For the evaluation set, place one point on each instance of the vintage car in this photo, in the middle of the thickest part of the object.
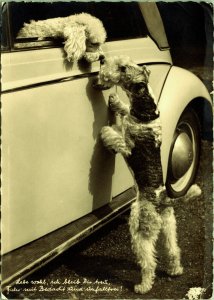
(59, 183)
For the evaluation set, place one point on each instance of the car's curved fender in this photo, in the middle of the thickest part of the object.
(180, 88)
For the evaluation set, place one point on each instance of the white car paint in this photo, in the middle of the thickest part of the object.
(55, 170)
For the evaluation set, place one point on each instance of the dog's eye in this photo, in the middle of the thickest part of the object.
(95, 44)
(138, 87)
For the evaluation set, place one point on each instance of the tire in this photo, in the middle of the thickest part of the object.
(184, 155)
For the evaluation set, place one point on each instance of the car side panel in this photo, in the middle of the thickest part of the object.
(181, 87)
(45, 65)
(55, 169)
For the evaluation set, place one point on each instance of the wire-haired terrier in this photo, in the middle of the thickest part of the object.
(138, 139)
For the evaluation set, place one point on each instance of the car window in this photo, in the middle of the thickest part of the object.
(121, 20)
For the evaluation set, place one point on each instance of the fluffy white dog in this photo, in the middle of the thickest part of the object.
(83, 34)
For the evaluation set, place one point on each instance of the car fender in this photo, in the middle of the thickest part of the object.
(180, 88)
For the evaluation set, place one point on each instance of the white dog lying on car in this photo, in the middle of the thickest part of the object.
(83, 34)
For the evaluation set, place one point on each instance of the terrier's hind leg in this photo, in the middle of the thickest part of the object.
(145, 224)
(169, 244)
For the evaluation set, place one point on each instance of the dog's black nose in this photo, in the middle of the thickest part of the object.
(102, 59)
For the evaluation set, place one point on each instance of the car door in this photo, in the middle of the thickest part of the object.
(55, 169)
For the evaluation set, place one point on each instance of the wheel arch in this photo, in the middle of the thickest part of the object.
(182, 89)
(203, 109)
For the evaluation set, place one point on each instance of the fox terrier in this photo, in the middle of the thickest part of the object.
(138, 139)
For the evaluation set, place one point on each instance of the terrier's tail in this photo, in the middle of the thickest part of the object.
(193, 192)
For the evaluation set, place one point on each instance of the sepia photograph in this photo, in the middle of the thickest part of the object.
(106, 150)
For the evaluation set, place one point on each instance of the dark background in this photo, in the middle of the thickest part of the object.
(189, 29)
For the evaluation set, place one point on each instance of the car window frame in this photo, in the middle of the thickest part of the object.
(154, 24)
(47, 42)
(5, 23)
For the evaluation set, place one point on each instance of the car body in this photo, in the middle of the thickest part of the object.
(55, 169)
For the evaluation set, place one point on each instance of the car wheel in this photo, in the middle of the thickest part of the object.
(184, 154)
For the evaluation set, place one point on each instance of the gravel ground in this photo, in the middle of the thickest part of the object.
(104, 267)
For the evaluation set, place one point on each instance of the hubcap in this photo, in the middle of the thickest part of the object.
(182, 155)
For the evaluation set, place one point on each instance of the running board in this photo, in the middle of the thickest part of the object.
(20, 263)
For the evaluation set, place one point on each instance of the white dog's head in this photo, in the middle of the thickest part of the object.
(83, 34)
(84, 37)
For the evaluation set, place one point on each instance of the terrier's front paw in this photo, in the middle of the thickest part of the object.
(113, 102)
(117, 105)
(114, 141)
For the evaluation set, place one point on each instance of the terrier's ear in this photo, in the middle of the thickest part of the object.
(75, 42)
(146, 72)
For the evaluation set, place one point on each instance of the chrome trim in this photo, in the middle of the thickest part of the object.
(59, 80)
(71, 78)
